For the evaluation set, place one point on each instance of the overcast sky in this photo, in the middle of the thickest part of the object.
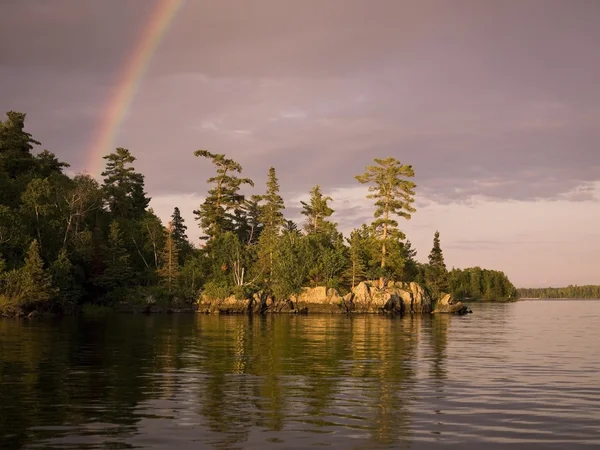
(496, 105)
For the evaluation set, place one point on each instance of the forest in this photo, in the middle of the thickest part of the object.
(587, 291)
(70, 241)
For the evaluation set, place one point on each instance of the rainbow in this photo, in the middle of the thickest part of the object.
(137, 65)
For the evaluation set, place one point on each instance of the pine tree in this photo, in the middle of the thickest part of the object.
(393, 196)
(179, 228)
(215, 215)
(356, 269)
(117, 264)
(316, 211)
(272, 218)
(169, 269)
(411, 266)
(436, 274)
(123, 186)
(15, 145)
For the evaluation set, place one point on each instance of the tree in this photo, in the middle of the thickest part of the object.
(180, 235)
(82, 198)
(273, 220)
(68, 290)
(436, 274)
(393, 196)
(215, 214)
(15, 145)
(48, 164)
(36, 282)
(169, 269)
(179, 228)
(117, 271)
(411, 266)
(123, 186)
(316, 211)
(356, 269)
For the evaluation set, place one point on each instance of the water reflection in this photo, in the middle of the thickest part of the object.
(237, 382)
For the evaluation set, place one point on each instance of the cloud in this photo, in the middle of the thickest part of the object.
(492, 103)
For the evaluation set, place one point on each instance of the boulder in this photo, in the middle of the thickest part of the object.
(447, 304)
(398, 297)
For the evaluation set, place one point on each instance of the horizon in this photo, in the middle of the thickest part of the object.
(495, 106)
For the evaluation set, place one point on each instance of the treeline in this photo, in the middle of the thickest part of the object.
(66, 241)
(588, 291)
(481, 284)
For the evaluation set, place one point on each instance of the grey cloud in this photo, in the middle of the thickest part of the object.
(487, 99)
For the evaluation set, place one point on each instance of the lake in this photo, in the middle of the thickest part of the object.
(522, 375)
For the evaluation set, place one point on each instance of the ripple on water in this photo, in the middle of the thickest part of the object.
(519, 375)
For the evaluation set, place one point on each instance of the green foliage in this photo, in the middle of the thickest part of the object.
(436, 274)
(217, 290)
(117, 271)
(15, 146)
(63, 278)
(123, 186)
(317, 211)
(272, 218)
(291, 265)
(393, 195)
(216, 213)
(481, 284)
(169, 261)
(67, 241)
(571, 291)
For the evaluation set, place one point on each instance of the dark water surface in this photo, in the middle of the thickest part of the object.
(520, 375)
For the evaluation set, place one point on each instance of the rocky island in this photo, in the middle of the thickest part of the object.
(367, 297)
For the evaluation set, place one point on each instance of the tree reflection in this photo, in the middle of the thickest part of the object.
(230, 377)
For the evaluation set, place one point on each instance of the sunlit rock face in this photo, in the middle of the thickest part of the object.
(447, 304)
(367, 297)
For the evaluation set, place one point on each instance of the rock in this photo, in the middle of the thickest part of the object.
(33, 314)
(395, 297)
(447, 304)
(401, 297)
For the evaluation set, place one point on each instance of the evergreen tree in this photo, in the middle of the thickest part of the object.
(436, 257)
(123, 186)
(15, 145)
(179, 228)
(411, 266)
(317, 211)
(393, 196)
(180, 236)
(169, 269)
(436, 274)
(356, 270)
(273, 220)
(216, 213)
(47, 164)
(117, 264)
(289, 226)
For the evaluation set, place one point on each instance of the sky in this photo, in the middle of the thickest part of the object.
(495, 104)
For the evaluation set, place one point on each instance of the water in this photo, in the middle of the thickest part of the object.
(519, 375)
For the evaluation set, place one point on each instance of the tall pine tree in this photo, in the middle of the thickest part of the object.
(394, 196)
(123, 186)
(216, 213)
(436, 274)
(273, 220)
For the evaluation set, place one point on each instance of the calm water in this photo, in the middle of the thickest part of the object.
(521, 375)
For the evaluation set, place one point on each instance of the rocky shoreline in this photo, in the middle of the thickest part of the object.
(394, 298)
(366, 298)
